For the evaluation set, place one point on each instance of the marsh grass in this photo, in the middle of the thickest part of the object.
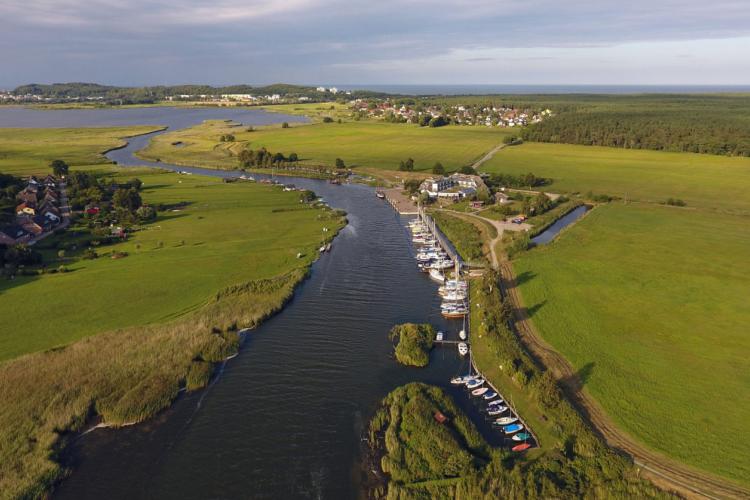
(118, 378)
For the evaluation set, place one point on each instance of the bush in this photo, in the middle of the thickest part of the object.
(414, 343)
(327, 119)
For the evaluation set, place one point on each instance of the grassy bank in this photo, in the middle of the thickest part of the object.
(414, 343)
(702, 181)
(469, 239)
(648, 304)
(359, 144)
(210, 236)
(26, 151)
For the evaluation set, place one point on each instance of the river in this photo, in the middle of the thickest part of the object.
(285, 418)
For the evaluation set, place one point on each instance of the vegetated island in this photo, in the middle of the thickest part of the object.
(414, 342)
(423, 446)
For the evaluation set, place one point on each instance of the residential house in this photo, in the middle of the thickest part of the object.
(50, 181)
(13, 234)
(501, 198)
(32, 227)
(26, 208)
(27, 195)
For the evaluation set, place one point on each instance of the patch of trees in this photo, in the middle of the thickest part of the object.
(109, 200)
(406, 165)
(59, 168)
(262, 158)
(528, 180)
(10, 186)
(226, 138)
(438, 169)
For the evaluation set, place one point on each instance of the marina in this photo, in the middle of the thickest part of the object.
(434, 254)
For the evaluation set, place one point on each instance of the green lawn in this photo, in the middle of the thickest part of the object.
(701, 180)
(25, 151)
(359, 144)
(231, 234)
(649, 303)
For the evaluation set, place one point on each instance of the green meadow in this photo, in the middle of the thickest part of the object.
(360, 144)
(649, 304)
(700, 180)
(25, 151)
(226, 234)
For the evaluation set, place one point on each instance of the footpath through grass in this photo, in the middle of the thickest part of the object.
(26, 151)
(649, 304)
(359, 144)
(700, 180)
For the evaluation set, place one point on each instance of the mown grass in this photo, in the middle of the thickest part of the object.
(700, 180)
(225, 234)
(649, 304)
(359, 144)
(26, 151)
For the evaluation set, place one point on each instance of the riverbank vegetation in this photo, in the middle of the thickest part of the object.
(26, 151)
(320, 144)
(220, 257)
(428, 448)
(607, 293)
(413, 343)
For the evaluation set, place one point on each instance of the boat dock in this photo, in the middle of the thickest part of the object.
(400, 202)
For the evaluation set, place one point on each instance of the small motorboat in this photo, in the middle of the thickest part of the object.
(521, 436)
(461, 380)
(496, 402)
(322, 249)
(380, 194)
(475, 382)
(521, 447)
(480, 391)
(506, 421)
(463, 350)
(437, 275)
(328, 247)
(496, 410)
(462, 334)
(490, 395)
(439, 336)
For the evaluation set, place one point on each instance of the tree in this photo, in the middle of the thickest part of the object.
(327, 119)
(59, 168)
(146, 213)
(467, 170)
(293, 157)
(127, 199)
(285, 125)
(438, 168)
(340, 163)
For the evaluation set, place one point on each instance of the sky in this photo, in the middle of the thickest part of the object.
(541, 42)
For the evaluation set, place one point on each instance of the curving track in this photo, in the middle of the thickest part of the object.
(662, 470)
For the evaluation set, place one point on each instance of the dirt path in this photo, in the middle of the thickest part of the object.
(660, 469)
(486, 157)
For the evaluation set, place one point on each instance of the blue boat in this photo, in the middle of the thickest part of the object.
(490, 395)
(511, 429)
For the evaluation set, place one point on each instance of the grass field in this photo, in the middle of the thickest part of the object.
(649, 304)
(359, 144)
(700, 180)
(227, 234)
(25, 151)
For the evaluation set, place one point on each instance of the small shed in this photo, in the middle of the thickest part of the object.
(477, 204)
(440, 418)
(501, 197)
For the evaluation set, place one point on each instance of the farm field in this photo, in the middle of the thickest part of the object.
(225, 235)
(648, 303)
(25, 151)
(700, 180)
(359, 144)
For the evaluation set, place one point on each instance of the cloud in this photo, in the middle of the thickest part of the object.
(267, 40)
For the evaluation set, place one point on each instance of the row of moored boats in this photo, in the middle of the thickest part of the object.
(432, 259)
(497, 410)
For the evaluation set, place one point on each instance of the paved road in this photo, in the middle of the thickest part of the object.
(661, 469)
